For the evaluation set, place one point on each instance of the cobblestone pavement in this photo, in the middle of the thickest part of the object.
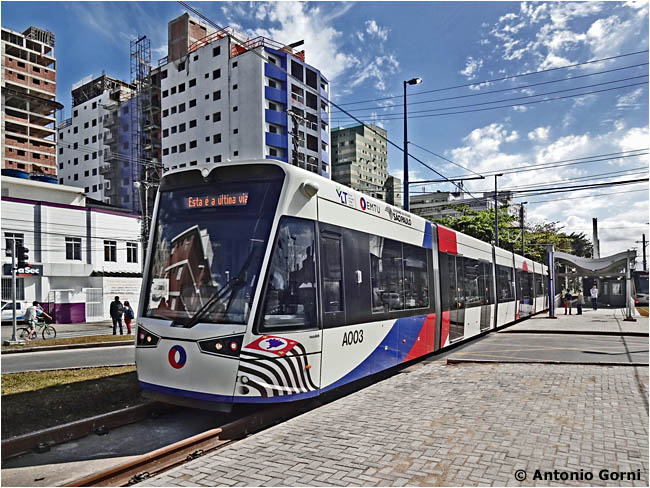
(601, 320)
(438, 424)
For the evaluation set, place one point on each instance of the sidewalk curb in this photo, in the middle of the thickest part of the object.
(79, 428)
(63, 347)
(537, 361)
(576, 332)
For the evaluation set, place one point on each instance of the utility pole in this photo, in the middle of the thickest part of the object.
(643, 243)
(13, 294)
(496, 212)
(551, 281)
(521, 224)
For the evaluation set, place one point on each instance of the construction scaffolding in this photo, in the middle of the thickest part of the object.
(145, 131)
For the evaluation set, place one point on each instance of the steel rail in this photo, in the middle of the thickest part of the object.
(164, 458)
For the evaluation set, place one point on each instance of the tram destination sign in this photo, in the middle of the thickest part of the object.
(217, 200)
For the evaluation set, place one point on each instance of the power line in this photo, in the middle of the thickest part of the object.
(391, 117)
(510, 77)
(444, 158)
(515, 98)
(490, 92)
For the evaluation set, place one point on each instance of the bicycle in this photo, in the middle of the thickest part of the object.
(46, 330)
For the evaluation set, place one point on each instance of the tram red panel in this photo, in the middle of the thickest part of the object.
(447, 240)
(426, 335)
(444, 330)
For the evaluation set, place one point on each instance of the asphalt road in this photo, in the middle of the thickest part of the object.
(557, 347)
(68, 358)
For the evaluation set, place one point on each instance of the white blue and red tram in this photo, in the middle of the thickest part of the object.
(266, 283)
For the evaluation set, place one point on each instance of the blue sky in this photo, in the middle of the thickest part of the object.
(367, 49)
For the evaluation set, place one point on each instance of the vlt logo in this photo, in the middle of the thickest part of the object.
(343, 195)
(177, 357)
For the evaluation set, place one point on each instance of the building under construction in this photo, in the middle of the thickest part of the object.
(28, 104)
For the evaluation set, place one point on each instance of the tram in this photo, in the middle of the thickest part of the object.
(266, 283)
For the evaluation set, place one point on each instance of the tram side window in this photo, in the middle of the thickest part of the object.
(416, 278)
(539, 284)
(505, 291)
(332, 273)
(290, 300)
(386, 274)
(525, 284)
(472, 271)
(448, 281)
(485, 284)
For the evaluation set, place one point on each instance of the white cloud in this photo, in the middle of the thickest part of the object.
(633, 139)
(539, 134)
(471, 67)
(374, 30)
(629, 100)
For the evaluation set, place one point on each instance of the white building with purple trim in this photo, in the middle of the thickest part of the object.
(81, 252)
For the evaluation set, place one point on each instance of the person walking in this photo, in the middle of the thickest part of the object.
(594, 297)
(129, 315)
(567, 302)
(117, 309)
(580, 301)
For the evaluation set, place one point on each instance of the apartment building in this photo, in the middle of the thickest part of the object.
(436, 205)
(95, 151)
(28, 104)
(81, 254)
(224, 100)
(360, 161)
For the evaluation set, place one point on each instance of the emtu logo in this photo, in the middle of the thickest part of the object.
(177, 357)
(362, 201)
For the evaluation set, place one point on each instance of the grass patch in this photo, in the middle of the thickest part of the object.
(56, 397)
(72, 340)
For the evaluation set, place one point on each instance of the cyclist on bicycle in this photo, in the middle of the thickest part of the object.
(30, 318)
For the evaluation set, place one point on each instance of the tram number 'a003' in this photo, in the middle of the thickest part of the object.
(352, 337)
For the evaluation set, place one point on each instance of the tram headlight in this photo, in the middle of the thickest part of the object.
(222, 346)
(146, 338)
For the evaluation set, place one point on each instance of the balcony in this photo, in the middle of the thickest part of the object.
(272, 71)
(325, 116)
(276, 140)
(273, 117)
(275, 94)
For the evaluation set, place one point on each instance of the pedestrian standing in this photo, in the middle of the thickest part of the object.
(580, 301)
(567, 302)
(117, 309)
(594, 297)
(129, 315)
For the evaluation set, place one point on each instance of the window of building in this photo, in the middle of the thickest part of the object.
(174, 149)
(61, 165)
(173, 110)
(60, 150)
(94, 139)
(87, 173)
(131, 252)
(173, 90)
(234, 64)
(216, 139)
(181, 127)
(192, 123)
(76, 161)
(193, 103)
(95, 155)
(216, 74)
(235, 108)
(174, 129)
(181, 108)
(75, 130)
(234, 87)
(86, 125)
(10, 237)
(181, 148)
(20, 289)
(216, 51)
(166, 151)
(216, 117)
(165, 112)
(216, 95)
(110, 251)
(192, 144)
(165, 132)
(192, 82)
(94, 122)
(273, 151)
(86, 141)
(163, 75)
(73, 248)
(273, 84)
(75, 113)
(215, 159)
(235, 131)
(235, 153)
(181, 88)
(193, 163)
(76, 177)
(94, 171)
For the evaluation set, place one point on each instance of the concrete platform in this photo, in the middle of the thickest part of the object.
(452, 425)
(609, 321)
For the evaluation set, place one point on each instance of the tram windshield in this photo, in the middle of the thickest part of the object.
(209, 242)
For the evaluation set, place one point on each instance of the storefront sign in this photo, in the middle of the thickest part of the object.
(25, 271)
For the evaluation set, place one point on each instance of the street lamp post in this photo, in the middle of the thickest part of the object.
(521, 224)
(413, 81)
(496, 212)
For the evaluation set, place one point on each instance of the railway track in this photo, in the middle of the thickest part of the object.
(159, 460)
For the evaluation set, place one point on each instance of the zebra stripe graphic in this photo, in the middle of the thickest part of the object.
(272, 375)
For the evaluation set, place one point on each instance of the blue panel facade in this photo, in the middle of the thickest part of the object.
(276, 140)
(272, 71)
(275, 94)
(273, 117)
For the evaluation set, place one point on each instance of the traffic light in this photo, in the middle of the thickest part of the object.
(22, 255)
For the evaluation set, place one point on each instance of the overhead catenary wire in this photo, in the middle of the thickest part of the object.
(501, 90)
(509, 77)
